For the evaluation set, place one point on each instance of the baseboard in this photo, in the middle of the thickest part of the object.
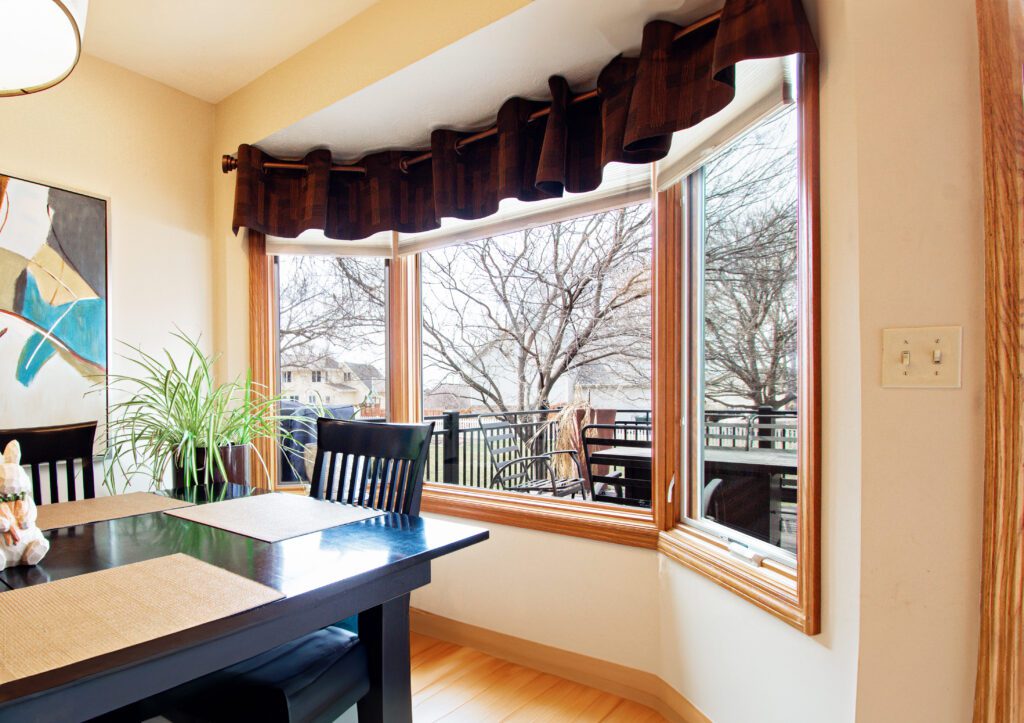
(637, 685)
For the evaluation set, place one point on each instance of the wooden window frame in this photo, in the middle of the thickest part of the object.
(999, 687)
(403, 337)
(263, 357)
(792, 595)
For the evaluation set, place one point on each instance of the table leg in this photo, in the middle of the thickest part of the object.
(384, 631)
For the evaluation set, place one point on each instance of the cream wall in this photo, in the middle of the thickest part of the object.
(109, 132)
(593, 598)
(921, 260)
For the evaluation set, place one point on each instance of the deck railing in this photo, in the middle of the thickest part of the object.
(458, 453)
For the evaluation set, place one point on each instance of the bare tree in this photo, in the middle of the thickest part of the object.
(329, 302)
(750, 268)
(509, 317)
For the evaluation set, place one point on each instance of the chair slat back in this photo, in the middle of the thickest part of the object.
(598, 437)
(508, 445)
(371, 464)
(49, 446)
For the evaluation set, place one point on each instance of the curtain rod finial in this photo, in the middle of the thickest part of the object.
(228, 163)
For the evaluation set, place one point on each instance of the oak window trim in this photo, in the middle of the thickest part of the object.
(402, 337)
(791, 595)
(1000, 675)
(590, 520)
(263, 344)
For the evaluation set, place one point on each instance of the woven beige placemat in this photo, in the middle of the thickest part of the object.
(82, 512)
(274, 517)
(67, 621)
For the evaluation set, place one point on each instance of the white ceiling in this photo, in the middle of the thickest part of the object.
(209, 48)
(463, 85)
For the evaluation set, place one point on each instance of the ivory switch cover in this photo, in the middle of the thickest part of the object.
(924, 356)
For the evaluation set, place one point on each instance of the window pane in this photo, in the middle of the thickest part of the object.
(531, 336)
(747, 355)
(332, 346)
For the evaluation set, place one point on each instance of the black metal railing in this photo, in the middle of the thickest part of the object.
(764, 428)
(458, 453)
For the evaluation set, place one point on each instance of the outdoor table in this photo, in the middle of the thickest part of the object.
(730, 461)
(717, 460)
(636, 463)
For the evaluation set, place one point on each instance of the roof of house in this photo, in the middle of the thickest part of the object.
(366, 373)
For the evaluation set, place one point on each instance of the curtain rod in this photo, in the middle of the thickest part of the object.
(229, 163)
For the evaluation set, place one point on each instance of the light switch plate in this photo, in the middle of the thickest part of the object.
(924, 356)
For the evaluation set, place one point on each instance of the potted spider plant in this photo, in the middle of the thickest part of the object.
(172, 412)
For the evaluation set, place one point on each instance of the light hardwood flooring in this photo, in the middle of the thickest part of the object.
(452, 683)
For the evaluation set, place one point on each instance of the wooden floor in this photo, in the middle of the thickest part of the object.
(453, 683)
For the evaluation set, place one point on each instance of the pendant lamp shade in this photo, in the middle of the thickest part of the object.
(40, 43)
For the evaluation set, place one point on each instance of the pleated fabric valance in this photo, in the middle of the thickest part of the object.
(640, 103)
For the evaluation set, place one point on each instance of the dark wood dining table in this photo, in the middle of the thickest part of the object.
(368, 567)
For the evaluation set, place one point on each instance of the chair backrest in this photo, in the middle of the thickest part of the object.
(598, 437)
(371, 464)
(510, 442)
(68, 443)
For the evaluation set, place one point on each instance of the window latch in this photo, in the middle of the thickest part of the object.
(671, 488)
(745, 554)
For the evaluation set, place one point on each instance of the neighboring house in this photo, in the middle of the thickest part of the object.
(328, 381)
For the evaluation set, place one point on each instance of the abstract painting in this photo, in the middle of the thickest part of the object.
(53, 305)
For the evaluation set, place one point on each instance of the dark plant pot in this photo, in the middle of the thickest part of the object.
(236, 463)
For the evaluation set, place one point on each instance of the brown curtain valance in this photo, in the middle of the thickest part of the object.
(640, 102)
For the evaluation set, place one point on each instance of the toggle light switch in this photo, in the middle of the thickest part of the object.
(927, 356)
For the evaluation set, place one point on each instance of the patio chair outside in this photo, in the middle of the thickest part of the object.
(518, 462)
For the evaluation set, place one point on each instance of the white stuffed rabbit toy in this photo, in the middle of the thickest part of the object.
(21, 542)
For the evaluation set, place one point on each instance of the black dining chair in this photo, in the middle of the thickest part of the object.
(371, 464)
(49, 446)
(319, 676)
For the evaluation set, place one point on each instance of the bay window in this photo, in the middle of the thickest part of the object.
(649, 355)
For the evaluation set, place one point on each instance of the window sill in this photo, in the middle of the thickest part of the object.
(590, 520)
(770, 586)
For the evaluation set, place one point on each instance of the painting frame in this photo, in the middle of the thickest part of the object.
(102, 382)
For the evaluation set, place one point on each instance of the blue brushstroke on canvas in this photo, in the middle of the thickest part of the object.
(82, 330)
